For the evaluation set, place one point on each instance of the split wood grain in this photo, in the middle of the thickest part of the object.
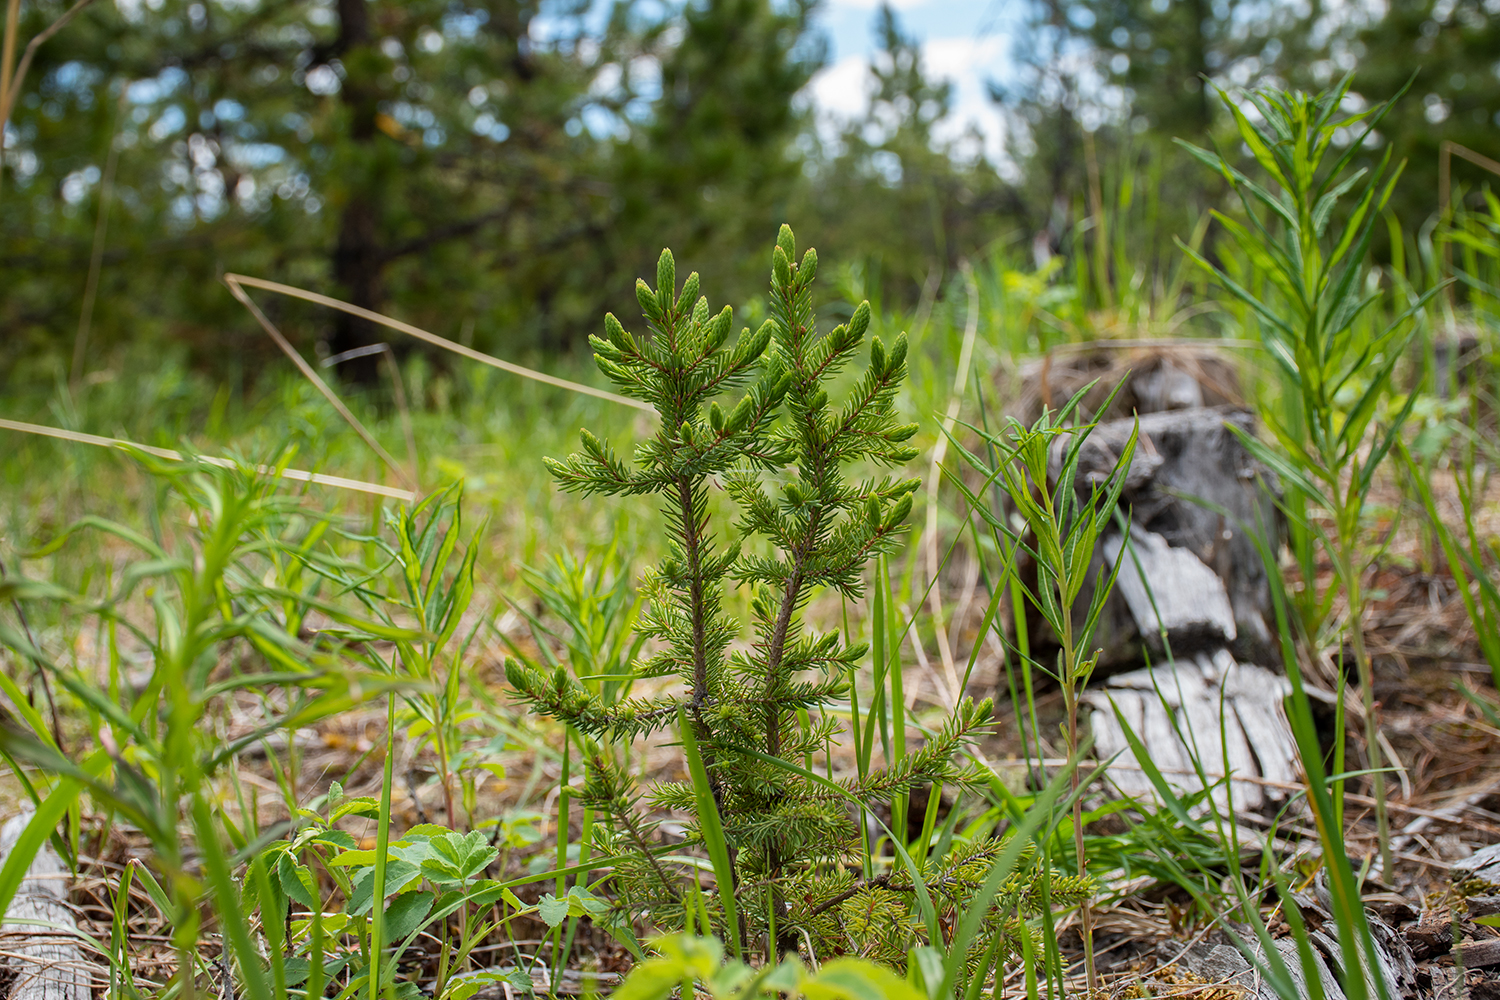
(40, 933)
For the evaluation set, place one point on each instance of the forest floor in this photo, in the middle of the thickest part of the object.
(1444, 803)
(1444, 798)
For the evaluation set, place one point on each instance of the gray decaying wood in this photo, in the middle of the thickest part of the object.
(1483, 906)
(1223, 710)
(1176, 375)
(1482, 867)
(1453, 814)
(1480, 954)
(1393, 960)
(1326, 957)
(1192, 483)
(1290, 954)
(1222, 963)
(1393, 956)
(1398, 969)
(1167, 387)
(1169, 591)
(39, 937)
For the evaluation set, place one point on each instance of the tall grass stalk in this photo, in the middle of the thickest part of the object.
(382, 851)
(11, 79)
(886, 648)
(309, 373)
(1467, 558)
(279, 471)
(236, 281)
(96, 254)
(935, 477)
(1362, 979)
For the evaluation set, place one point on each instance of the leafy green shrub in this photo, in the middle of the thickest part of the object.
(697, 963)
(779, 838)
(430, 878)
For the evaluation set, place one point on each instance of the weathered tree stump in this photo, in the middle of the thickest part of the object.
(1227, 715)
(1192, 601)
(1163, 376)
(1170, 593)
(1185, 639)
(1194, 496)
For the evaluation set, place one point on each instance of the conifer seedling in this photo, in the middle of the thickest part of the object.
(755, 417)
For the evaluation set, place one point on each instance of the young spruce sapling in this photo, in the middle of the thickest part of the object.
(781, 450)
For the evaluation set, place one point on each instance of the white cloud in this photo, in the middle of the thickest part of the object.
(873, 4)
(841, 91)
(969, 63)
(842, 88)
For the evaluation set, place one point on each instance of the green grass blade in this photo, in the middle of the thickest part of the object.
(712, 828)
(978, 906)
(234, 922)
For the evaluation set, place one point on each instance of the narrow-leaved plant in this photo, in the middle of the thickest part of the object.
(1313, 298)
(1038, 468)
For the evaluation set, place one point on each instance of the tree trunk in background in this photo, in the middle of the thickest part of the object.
(1202, 114)
(356, 267)
(1062, 172)
(358, 257)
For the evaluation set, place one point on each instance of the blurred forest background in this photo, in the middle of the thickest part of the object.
(499, 171)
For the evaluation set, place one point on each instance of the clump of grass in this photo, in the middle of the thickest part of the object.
(236, 580)
(261, 599)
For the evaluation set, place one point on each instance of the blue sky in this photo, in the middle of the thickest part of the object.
(965, 41)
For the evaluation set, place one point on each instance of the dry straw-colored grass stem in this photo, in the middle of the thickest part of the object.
(234, 281)
(312, 376)
(10, 83)
(237, 284)
(297, 475)
(954, 690)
